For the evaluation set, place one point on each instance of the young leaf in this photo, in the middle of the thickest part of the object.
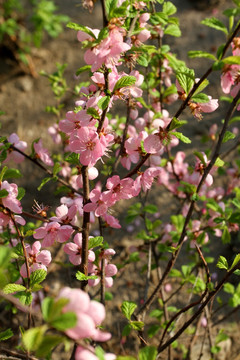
(181, 137)
(21, 193)
(232, 60)
(103, 102)
(7, 334)
(235, 261)
(12, 174)
(200, 156)
(77, 27)
(226, 237)
(126, 330)
(44, 181)
(12, 288)
(94, 242)
(93, 112)
(3, 193)
(128, 308)
(229, 288)
(82, 69)
(151, 209)
(124, 81)
(219, 162)
(82, 277)
(200, 98)
(173, 30)
(215, 24)
(199, 53)
(169, 8)
(37, 276)
(148, 353)
(32, 338)
(49, 342)
(64, 321)
(222, 263)
(175, 123)
(186, 78)
(137, 325)
(228, 136)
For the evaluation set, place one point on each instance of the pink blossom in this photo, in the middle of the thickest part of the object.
(108, 52)
(90, 315)
(42, 153)
(74, 250)
(6, 219)
(97, 204)
(54, 133)
(110, 271)
(118, 189)
(36, 259)
(10, 201)
(65, 215)
(111, 221)
(88, 145)
(14, 155)
(53, 231)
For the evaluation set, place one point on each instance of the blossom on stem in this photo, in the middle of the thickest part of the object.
(36, 259)
(42, 153)
(74, 250)
(15, 155)
(90, 315)
(10, 201)
(53, 231)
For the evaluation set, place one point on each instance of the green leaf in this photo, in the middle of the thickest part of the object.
(102, 35)
(12, 288)
(151, 209)
(44, 182)
(186, 78)
(48, 343)
(124, 81)
(72, 158)
(12, 174)
(94, 242)
(21, 193)
(226, 237)
(82, 69)
(32, 338)
(200, 156)
(77, 27)
(37, 276)
(229, 288)
(142, 60)
(235, 261)
(52, 309)
(103, 102)
(222, 263)
(24, 297)
(175, 123)
(221, 337)
(173, 30)
(181, 137)
(110, 6)
(228, 136)
(7, 334)
(215, 24)
(3, 193)
(65, 321)
(99, 353)
(219, 162)
(82, 277)
(137, 325)
(126, 330)
(200, 98)
(153, 330)
(232, 60)
(93, 112)
(199, 53)
(128, 308)
(148, 353)
(169, 8)
(126, 358)
(5, 255)
(57, 167)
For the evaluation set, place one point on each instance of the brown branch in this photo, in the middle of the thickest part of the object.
(207, 170)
